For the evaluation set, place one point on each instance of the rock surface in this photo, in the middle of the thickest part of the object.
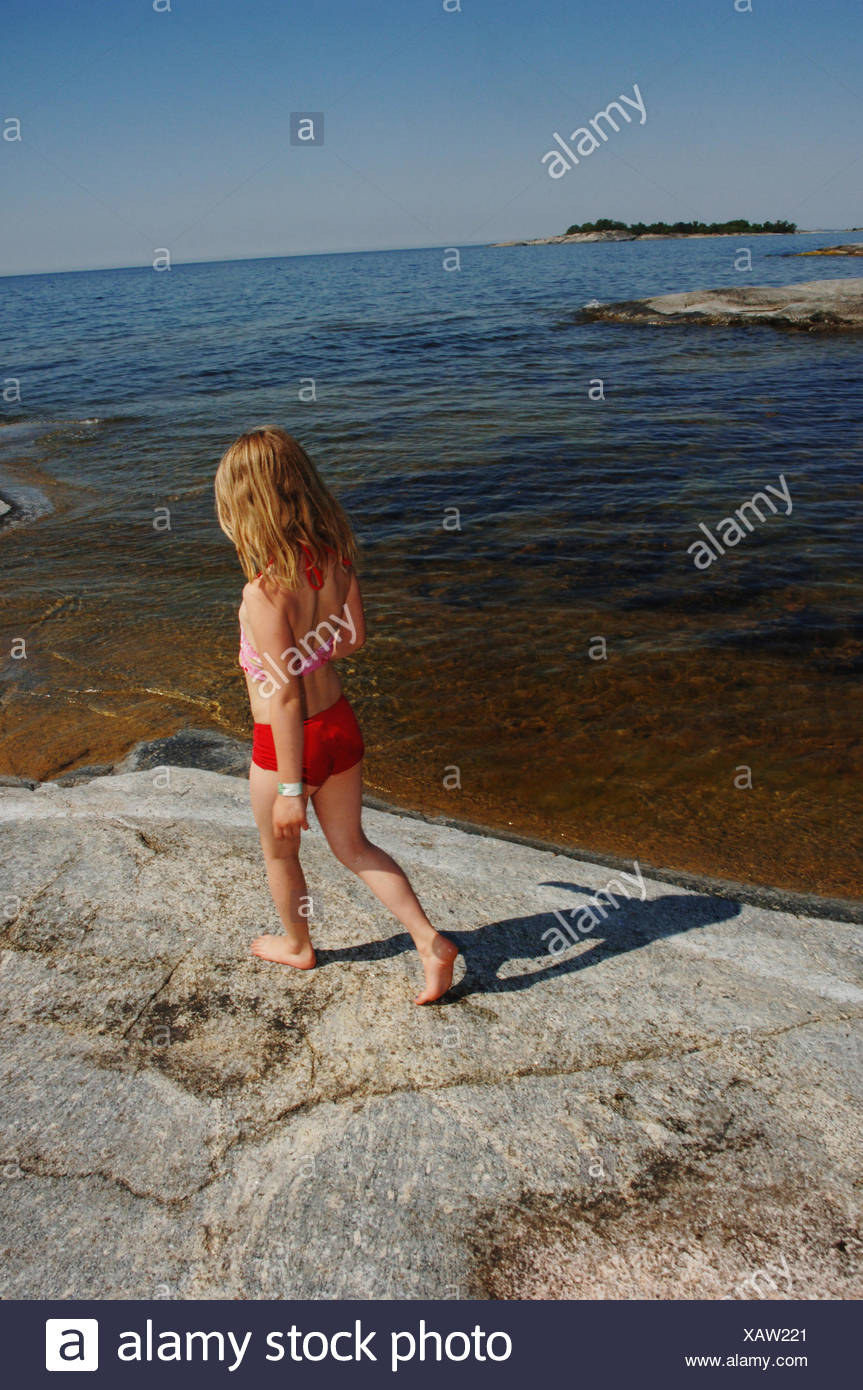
(814, 305)
(853, 248)
(566, 238)
(668, 1108)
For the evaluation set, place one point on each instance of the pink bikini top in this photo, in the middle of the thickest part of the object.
(252, 664)
(250, 660)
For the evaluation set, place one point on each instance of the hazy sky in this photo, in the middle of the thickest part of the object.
(144, 129)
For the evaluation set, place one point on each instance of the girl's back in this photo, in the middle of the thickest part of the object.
(331, 613)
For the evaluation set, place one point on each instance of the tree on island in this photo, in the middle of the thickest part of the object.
(740, 224)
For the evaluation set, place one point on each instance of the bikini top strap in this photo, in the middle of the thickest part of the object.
(343, 559)
(311, 567)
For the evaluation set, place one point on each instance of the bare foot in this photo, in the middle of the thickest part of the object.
(277, 948)
(438, 966)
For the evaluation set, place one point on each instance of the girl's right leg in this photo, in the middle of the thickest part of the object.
(286, 879)
(338, 806)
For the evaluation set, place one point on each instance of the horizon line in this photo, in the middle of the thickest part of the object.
(231, 260)
(298, 255)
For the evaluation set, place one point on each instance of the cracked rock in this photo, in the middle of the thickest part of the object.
(660, 1108)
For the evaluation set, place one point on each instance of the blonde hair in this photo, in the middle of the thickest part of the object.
(270, 500)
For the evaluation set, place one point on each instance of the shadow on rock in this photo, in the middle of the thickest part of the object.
(487, 949)
(368, 950)
(631, 925)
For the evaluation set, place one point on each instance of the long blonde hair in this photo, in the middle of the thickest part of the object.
(270, 501)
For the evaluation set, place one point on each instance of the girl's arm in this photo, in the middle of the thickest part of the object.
(272, 629)
(353, 621)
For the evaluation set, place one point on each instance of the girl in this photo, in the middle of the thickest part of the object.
(297, 550)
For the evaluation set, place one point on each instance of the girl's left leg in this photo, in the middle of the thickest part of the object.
(338, 806)
(286, 879)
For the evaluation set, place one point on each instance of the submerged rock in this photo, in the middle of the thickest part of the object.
(663, 1104)
(201, 748)
(814, 306)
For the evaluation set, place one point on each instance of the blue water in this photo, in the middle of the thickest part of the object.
(436, 390)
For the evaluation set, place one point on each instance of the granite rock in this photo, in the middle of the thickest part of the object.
(667, 1107)
(813, 306)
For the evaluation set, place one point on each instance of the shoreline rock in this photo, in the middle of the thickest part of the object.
(812, 306)
(660, 1110)
(207, 750)
(853, 248)
(576, 236)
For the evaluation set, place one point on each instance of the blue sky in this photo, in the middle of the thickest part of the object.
(143, 129)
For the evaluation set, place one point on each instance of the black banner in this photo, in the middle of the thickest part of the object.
(486, 1344)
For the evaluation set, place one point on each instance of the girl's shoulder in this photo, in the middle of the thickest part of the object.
(343, 564)
(264, 590)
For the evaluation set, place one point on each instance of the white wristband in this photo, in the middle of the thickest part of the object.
(290, 788)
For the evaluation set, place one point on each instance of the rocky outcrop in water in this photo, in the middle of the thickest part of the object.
(813, 306)
(662, 1105)
(854, 248)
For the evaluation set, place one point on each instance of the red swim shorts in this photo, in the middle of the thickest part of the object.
(332, 742)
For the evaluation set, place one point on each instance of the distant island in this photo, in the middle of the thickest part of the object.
(607, 229)
(738, 224)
